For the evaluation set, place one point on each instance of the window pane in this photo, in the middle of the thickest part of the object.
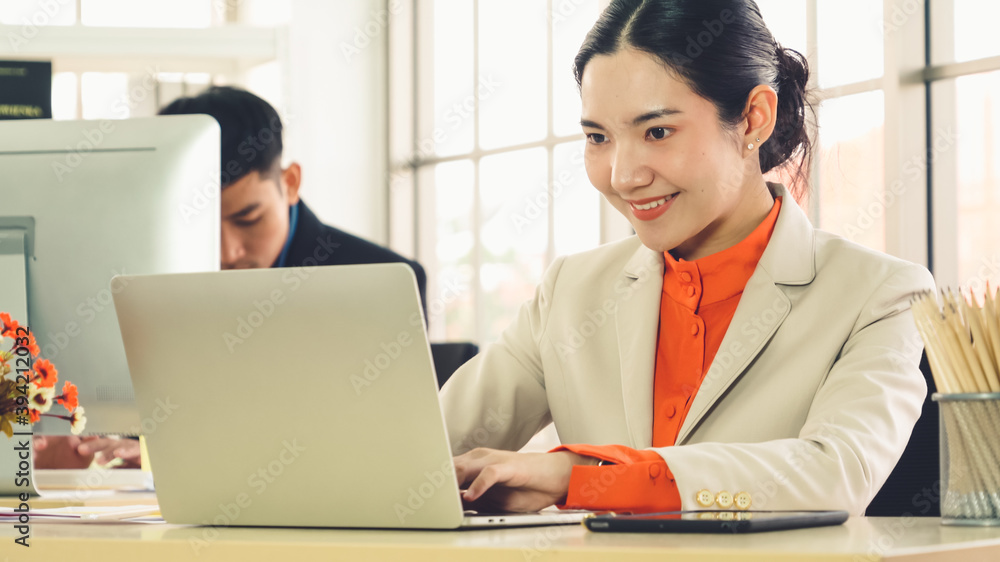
(450, 306)
(845, 58)
(454, 98)
(512, 71)
(514, 218)
(170, 86)
(577, 204)
(570, 23)
(787, 21)
(105, 95)
(129, 13)
(64, 95)
(263, 80)
(36, 13)
(200, 80)
(975, 29)
(851, 168)
(265, 13)
(977, 102)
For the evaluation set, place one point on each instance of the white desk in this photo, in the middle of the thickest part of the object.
(860, 539)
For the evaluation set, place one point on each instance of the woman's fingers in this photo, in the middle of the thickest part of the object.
(488, 476)
(468, 465)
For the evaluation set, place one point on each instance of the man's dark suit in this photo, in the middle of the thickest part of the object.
(315, 243)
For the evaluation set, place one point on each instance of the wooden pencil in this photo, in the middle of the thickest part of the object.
(979, 347)
(961, 334)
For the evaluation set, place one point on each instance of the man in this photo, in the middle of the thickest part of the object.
(264, 224)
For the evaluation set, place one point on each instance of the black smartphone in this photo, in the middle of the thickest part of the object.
(713, 521)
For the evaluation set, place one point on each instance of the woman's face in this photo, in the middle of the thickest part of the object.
(660, 155)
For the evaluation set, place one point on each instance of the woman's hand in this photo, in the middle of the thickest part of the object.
(521, 482)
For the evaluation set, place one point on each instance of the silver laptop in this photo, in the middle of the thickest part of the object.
(300, 397)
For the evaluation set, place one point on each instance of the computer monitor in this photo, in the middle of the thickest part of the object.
(82, 201)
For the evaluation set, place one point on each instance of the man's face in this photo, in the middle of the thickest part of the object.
(255, 217)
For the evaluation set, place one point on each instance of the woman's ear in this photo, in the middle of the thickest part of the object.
(760, 114)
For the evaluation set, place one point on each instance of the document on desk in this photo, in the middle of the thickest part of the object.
(95, 514)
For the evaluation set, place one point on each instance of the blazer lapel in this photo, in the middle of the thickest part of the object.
(637, 322)
(789, 259)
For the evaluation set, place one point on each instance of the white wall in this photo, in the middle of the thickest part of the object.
(335, 75)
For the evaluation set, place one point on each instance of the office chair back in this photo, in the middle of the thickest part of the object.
(448, 357)
(914, 487)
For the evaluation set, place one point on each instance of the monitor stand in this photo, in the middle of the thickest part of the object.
(14, 237)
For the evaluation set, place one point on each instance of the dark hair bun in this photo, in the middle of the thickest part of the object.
(790, 134)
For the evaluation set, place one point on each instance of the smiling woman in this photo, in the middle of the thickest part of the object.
(728, 356)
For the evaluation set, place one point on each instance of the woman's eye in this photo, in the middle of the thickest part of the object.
(596, 138)
(658, 133)
(246, 223)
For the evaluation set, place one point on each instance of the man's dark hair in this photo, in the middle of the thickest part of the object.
(251, 130)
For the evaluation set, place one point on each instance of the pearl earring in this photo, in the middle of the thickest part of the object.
(750, 146)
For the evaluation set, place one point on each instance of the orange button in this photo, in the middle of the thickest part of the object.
(671, 411)
(690, 291)
(654, 471)
(694, 329)
(685, 277)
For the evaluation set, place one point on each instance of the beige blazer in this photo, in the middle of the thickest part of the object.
(808, 404)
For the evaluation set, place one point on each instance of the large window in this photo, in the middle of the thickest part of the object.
(492, 187)
(964, 76)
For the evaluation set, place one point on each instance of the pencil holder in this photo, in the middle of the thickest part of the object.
(970, 458)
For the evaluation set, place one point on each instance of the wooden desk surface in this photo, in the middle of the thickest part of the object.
(860, 539)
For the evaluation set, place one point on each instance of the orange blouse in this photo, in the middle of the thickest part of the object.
(698, 302)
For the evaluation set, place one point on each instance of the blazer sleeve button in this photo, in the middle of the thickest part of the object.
(704, 498)
(724, 499)
(743, 500)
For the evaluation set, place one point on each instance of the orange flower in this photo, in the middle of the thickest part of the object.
(46, 372)
(69, 398)
(35, 416)
(33, 346)
(8, 327)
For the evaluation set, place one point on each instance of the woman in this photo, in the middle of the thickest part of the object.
(730, 355)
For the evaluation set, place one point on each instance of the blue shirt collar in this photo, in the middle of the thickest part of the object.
(293, 220)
